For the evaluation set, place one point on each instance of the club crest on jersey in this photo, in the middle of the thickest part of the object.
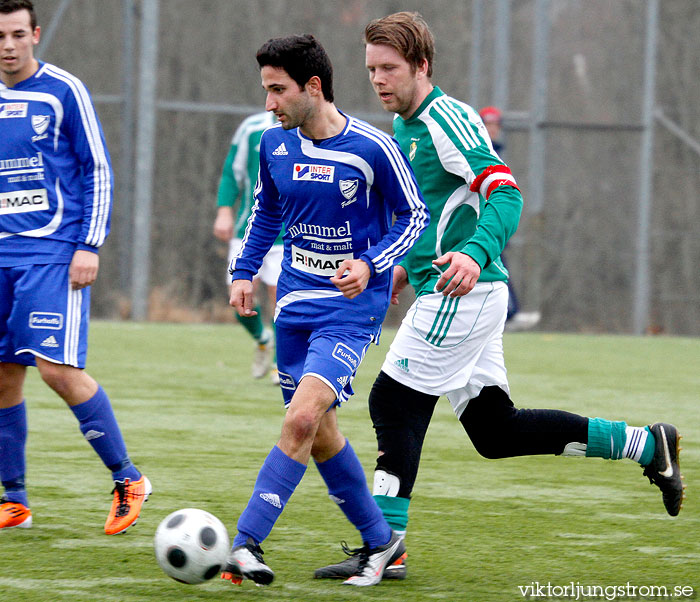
(412, 151)
(40, 124)
(348, 188)
(9, 110)
(313, 173)
(347, 356)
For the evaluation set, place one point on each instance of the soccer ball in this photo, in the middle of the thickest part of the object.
(191, 545)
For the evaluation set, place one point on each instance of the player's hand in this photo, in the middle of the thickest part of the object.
(351, 277)
(399, 282)
(223, 224)
(463, 270)
(83, 269)
(242, 298)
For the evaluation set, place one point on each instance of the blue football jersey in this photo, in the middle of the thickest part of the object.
(55, 171)
(346, 197)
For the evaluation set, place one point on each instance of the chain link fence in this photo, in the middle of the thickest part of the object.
(575, 256)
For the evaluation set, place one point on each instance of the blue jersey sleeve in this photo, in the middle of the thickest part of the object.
(264, 224)
(396, 182)
(89, 146)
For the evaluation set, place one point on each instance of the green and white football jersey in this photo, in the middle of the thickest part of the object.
(240, 171)
(473, 199)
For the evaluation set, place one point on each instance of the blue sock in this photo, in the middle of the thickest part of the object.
(13, 438)
(347, 487)
(100, 429)
(277, 480)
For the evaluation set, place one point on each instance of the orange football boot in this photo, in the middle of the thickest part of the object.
(129, 496)
(14, 514)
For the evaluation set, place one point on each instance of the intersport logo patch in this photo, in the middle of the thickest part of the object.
(9, 110)
(313, 173)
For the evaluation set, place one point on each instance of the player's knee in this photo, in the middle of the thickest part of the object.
(58, 377)
(383, 399)
(300, 424)
(486, 420)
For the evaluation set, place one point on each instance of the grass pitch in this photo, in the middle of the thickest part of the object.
(199, 427)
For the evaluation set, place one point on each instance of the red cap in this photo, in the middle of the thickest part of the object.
(490, 114)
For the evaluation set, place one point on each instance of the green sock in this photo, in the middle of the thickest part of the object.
(614, 440)
(606, 439)
(395, 511)
(253, 324)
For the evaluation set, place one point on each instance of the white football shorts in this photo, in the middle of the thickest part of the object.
(271, 267)
(452, 347)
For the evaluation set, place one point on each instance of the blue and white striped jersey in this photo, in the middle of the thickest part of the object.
(347, 197)
(55, 171)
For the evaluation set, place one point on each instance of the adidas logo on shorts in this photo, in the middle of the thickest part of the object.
(280, 150)
(49, 342)
(402, 364)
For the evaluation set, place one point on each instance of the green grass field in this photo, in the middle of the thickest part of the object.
(199, 427)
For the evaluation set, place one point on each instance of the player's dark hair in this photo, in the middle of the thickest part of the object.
(12, 6)
(301, 57)
(407, 33)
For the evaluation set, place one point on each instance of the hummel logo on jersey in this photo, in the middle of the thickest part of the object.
(342, 381)
(93, 434)
(402, 364)
(280, 150)
(49, 341)
(337, 500)
(272, 498)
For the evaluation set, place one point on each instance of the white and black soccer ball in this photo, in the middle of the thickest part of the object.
(191, 545)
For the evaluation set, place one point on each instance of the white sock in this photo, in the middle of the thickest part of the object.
(634, 445)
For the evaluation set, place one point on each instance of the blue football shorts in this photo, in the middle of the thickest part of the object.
(42, 316)
(331, 354)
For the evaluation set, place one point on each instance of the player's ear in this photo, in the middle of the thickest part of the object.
(36, 35)
(313, 86)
